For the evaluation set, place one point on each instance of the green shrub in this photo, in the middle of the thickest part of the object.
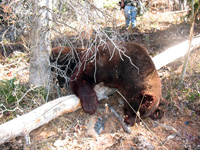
(110, 4)
(7, 89)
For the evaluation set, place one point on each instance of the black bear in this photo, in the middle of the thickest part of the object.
(125, 66)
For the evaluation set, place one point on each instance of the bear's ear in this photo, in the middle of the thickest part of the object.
(157, 114)
(159, 111)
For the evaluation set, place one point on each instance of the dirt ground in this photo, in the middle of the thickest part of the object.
(178, 129)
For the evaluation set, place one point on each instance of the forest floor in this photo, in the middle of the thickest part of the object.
(178, 129)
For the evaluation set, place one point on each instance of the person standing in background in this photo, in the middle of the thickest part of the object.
(130, 11)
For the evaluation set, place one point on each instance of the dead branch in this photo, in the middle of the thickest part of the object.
(23, 125)
(175, 52)
(124, 126)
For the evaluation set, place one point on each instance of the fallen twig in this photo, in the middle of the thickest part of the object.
(168, 128)
(169, 138)
(124, 126)
(165, 126)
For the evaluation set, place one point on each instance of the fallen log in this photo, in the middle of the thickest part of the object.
(23, 125)
(174, 53)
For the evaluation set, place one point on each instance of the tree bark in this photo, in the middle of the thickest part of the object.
(40, 44)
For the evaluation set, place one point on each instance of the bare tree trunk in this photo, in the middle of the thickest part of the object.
(182, 4)
(40, 44)
(190, 41)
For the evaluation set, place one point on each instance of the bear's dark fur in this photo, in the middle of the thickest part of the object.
(64, 61)
(127, 67)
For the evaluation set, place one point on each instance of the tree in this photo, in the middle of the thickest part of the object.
(190, 41)
(40, 43)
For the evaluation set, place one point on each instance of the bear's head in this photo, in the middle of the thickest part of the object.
(142, 106)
